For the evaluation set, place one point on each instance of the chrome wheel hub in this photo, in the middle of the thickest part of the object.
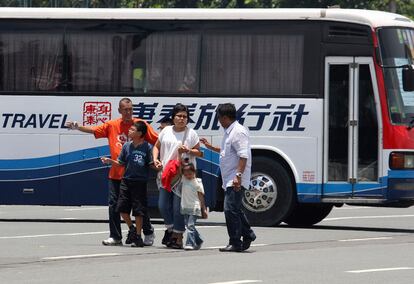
(262, 193)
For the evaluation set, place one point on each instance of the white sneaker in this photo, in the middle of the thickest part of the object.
(187, 247)
(112, 242)
(149, 239)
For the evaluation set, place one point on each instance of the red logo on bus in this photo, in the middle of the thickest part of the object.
(95, 113)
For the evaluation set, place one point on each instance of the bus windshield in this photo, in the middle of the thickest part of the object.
(397, 50)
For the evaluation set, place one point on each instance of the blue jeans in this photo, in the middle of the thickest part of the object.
(237, 224)
(193, 237)
(114, 217)
(170, 205)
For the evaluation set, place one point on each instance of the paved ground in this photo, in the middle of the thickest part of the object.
(353, 244)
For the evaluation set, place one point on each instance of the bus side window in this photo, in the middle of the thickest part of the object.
(31, 61)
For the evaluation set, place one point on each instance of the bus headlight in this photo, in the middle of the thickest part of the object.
(401, 160)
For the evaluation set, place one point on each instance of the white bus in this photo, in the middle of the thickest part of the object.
(320, 90)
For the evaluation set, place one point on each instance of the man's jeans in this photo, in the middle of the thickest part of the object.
(237, 224)
(114, 217)
(170, 205)
(193, 237)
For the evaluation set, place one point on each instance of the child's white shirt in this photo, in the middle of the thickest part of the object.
(190, 203)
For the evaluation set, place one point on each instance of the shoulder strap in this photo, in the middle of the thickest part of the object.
(185, 135)
(182, 142)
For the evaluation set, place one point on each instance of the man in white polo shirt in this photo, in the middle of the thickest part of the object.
(235, 166)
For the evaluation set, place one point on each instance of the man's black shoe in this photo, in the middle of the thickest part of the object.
(132, 234)
(246, 243)
(167, 238)
(231, 248)
(137, 242)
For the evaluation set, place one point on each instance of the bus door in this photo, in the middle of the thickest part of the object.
(351, 126)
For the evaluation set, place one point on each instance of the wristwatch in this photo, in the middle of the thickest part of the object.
(239, 174)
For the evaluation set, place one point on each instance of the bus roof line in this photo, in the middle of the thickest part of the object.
(367, 17)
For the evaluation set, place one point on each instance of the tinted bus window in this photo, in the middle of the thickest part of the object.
(30, 60)
(99, 62)
(268, 64)
(172, 62)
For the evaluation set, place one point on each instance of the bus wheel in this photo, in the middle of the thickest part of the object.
(270, 196)
(304, 215)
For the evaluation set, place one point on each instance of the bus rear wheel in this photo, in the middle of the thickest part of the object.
(305, 215)
(270, 197)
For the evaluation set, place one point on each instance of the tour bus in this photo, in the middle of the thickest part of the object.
(326, 94)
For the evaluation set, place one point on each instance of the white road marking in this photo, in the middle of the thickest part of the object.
(53, 235)
(237, 282)
(252, 245)
(366, 217)
(86, 208)
(366, 239)
(80, 256)
(380, 269)
(80, 234)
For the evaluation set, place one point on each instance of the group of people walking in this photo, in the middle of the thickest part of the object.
(135, 147)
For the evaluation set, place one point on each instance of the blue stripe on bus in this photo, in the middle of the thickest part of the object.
(55, 160)
(76, 156)
(401, 174)
(30, 173)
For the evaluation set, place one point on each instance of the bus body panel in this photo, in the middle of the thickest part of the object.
(73, 163)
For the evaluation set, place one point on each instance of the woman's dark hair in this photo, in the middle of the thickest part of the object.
(188, 167)
(179, 108)
(227, 109)
(141, 127)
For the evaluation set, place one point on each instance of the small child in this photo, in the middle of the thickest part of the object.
(192, 205)
(136, 157)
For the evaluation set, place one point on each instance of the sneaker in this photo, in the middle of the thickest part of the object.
(188, 247)
(197, 247)
(149, 239)
(167, 237)
(112, 242)
(137, 242)
(131, 235)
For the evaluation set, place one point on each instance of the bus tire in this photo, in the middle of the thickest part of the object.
(271, 195)
(308, 214)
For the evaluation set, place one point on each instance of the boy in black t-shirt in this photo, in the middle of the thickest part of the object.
(136, 157)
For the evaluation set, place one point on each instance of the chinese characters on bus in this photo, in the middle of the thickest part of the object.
(96, 112)
(282, 117)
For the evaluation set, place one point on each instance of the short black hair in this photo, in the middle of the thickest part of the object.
(125, 100)
(179, 108)
(167, 119)
(141, 127)
(227, 109)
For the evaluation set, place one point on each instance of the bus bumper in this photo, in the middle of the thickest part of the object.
(400, 185)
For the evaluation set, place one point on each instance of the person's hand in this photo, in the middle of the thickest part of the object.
(237, 183)
(183, 149)
(205, 142)
(157, 164)
(72, 125)
(105, 160)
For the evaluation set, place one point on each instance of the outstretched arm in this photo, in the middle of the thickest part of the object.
(109, 161)
(74, 125)
(209, 146)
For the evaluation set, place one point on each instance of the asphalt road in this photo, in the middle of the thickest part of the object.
(63, 245)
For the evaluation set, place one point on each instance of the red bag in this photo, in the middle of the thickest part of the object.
(171, 175)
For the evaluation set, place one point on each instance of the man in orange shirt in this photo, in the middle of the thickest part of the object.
(116, 131)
